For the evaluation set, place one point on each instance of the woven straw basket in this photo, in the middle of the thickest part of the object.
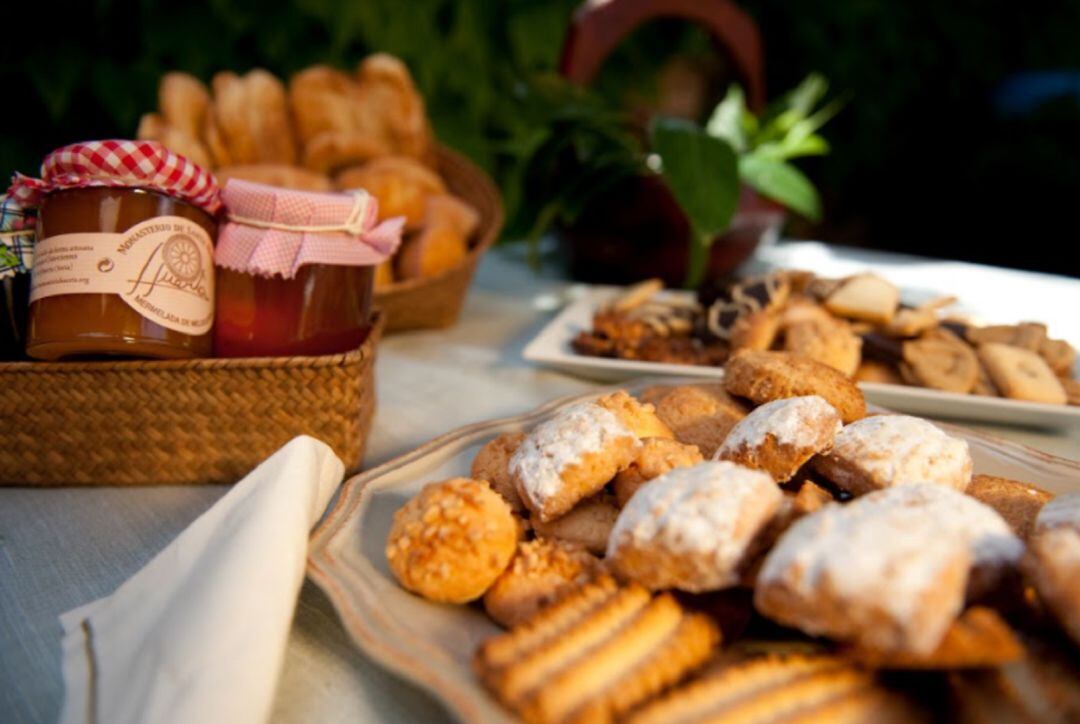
(436, 302)
(178, 421)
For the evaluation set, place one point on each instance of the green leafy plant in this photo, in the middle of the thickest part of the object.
(579, 146)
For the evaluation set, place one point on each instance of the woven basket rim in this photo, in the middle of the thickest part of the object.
(378, 320)
(487, 235)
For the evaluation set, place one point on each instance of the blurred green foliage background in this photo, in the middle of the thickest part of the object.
(922, 158)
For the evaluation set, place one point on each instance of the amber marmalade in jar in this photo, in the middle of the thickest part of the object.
(124, 255)
(165, 241)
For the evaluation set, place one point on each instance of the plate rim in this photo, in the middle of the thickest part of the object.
(536, 351)
(356, 492)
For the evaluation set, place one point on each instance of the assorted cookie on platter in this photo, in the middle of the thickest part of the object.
(832, 549)
(325, 130)
(856, 325)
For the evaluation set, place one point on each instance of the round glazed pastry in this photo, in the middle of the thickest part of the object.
(657, 456)
(780, 436)
(767, 376)
(875, 571)
(589, 524)
(570, 457)
(886, 450)
(691, 528)
(492, 463)
(700, 415)
(540, 573)
(452, 540)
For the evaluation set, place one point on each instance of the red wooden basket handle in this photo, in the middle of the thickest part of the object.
(598, 26)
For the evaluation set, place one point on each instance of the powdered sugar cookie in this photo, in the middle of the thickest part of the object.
(1054, 567)
(690, 528)
(570, 457)
(875, 572)
(1061, 512)
(780, 436)
(640, 418)
(886, 450)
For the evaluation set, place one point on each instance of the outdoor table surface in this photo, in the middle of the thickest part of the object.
(60, 548)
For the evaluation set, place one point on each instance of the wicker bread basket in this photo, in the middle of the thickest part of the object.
(436, 302)
(178, 421)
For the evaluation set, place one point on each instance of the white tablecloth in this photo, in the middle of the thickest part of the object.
(61, 548)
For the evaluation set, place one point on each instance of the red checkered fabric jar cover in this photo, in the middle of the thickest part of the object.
(129, 164)
(275, 231)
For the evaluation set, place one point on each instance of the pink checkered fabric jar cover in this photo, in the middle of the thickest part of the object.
(275, 231)
(119, 163)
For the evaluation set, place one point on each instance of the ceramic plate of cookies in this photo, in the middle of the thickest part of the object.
(762, 549)
(925, 356)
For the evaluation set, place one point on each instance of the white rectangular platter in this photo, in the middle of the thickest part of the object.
(551, 348)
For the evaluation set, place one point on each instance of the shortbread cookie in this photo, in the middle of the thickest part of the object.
(1018, 503)
(691, 528)
(541, 572)
(830, 342)
(570, 457)
(451, 541)
(492, 464)
(1054, 567)
(754, 330)
(866, 297)
(881, 575)
(1072, 390)
(887, 450)
(767, 376)
(942, 361)
(978, 639)
(1059, 355)
(700, 415)
(780, 436)
(588, 524)
(596, 654)
(783, 688)
(657, 456)
(1021, 374)
(880, 372)
(1063, 511)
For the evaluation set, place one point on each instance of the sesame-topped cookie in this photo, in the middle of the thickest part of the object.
(886, 450)
(767, 376)
(691, 528)
(876, 571)
(570, 457)
(541, 572)
(452, 540)
(780, 436)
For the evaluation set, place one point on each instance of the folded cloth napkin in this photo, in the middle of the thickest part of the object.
(198, 635)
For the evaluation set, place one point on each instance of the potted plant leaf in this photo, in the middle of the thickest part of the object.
(679, 201)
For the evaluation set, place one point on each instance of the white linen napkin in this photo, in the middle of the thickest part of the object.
(198, 635)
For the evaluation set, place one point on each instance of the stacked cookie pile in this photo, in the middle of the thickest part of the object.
(760, 550)
(327, 130)
(856, 325)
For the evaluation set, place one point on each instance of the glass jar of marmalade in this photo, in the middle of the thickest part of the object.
(324, 309)
(124, 254)
(132, 318)
(296, 270)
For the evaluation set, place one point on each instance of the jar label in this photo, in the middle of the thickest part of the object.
(163, 268)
